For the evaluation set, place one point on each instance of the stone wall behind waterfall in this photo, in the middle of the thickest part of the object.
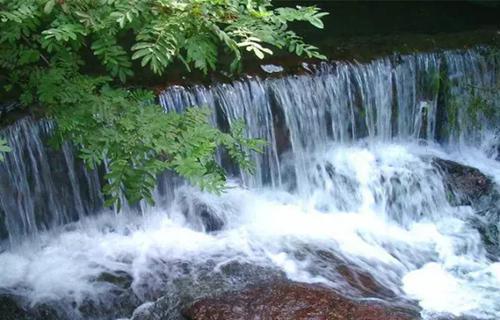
(398, 97)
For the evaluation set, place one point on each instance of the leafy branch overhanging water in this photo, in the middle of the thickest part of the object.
(46, 47)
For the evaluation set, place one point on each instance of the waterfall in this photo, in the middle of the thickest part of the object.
(348, 170)
(42, 188)
(464, 79)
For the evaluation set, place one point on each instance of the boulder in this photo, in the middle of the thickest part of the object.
(289, 300)
(194, 281)
(465, 184)
(15, 307)
(349, 278)
(200, 214)
(469, 186)
(119, 302)
(11, 309)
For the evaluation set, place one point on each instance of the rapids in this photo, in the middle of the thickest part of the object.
(348, 172)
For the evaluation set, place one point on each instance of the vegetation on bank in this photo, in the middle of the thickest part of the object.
(477, 109)
(75, 58)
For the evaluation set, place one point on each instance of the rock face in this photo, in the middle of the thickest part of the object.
(286, 301)
(466, 184)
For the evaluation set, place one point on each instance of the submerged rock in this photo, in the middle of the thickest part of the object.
(285, 301)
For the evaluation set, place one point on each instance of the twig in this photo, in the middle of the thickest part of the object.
(41, 55)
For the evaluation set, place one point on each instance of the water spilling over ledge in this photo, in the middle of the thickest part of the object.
(348, 181)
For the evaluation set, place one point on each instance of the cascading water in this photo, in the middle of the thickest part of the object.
(348, 178)
(40, 188)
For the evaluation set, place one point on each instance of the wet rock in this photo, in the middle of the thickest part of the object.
(194, 281)
(464, 184)
(450, 317)
(114, 306)
(145, 311)
(487, 223)
(342, 183)
(359, 278)
(118, 278)
(492, 149)
(210, 222)
(200, 214)
(54, 311)
(349, 278)
(120, 301)
(164, 308)
(287, 301)
(11, 309)
(469, 186)
(15, 307)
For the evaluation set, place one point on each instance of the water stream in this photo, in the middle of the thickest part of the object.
(348, 174)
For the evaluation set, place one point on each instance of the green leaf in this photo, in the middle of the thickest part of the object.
(299, 49)
(141, 53)
(258, 53)
(317, 22)
(235, 66)
(150, 200)
(3, 149)
(49, 6)
(111, 201)
(321, 15)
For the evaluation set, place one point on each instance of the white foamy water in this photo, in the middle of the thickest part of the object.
(346, 194)
(414, 244)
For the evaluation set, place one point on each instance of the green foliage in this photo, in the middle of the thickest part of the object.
(44, 47)
(480, 102)
(193, 31)
(3, 149)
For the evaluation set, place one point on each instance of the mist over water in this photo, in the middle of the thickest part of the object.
(348, 179)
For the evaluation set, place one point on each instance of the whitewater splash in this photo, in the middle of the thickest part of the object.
(418, 248)
(348, 181)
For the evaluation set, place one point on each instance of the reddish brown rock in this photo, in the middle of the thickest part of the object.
(356, 278)
(288, 301)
